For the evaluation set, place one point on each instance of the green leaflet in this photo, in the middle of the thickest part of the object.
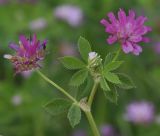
(71, 62)
(112, 95)
(109, 57)
(112, 66)
(126, 81)
(112, 77)
(104, 85)
(74, 115)
(84, 48)
(57, 106)
(79, 77)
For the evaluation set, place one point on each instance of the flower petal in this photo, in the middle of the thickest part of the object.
(112, 39)
(14, 46)
(135, 38)
(140, 20)
(131, 16)
(110, 29)
(104, 22)
(141, 30)
(112, 17)
(127, 47)
(24, 41)
(137, 49)
(122, 17)
(34, 39)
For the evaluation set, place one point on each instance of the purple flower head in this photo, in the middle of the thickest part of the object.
(108, 130)
(28, 53)
(128, 30)
(140, 112)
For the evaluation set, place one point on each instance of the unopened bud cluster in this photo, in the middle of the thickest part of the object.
(95, 64)
(94, 59)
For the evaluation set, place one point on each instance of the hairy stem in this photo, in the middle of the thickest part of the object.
(57, 86)
(92, 94)
(92, 124)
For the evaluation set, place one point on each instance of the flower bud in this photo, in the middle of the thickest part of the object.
(94, 60)
(92, 55)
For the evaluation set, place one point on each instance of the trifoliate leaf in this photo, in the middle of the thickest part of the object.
(113, 78)
(126, 81)
(112, 95)
(112, 66)
(79, 77)
(57, 106)
(74, 115)
(84, 48)
(71, 62)
(104, 85)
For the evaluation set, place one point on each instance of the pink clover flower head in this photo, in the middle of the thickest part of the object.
(28, 53)
(140, 112)
(128, 30)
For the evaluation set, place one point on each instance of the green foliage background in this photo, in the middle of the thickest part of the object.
(29, 118)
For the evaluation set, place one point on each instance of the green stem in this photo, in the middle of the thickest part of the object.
(88, 114)
(92, 124)
(93, 92)
(117, 54)
(57, 86)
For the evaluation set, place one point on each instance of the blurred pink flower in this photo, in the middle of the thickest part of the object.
(127, 30)
(140, 112)
(38, 24)
(108, 130)
(16, 100)
(71, 14)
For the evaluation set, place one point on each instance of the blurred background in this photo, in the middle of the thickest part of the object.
(61, 22)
